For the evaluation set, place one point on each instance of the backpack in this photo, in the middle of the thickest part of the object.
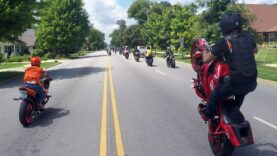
(241, 58)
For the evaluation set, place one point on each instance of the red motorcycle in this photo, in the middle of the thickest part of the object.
(228, 128)
(28, 108)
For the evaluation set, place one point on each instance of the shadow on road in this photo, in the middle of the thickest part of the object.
(69, 73)
(262, 149)
(48, 116)
(64, 73)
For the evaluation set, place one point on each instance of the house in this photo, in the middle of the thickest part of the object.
(266, 20)
(26, 41)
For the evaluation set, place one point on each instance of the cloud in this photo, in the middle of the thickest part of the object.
(258, 1)
(103, 14)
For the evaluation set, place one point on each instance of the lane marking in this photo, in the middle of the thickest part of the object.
(119, 144)
(103, 135)
(160, 72)
(265, 122)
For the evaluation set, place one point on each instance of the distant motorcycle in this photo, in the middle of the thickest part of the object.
(170, 61)
(149, 60)
(137, 56)
(110, 53)
(126, 53)
(28, 107)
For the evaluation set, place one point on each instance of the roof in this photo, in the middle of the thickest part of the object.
(266, 17)
(29, 37)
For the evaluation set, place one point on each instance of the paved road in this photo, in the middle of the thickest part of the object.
(114, 106)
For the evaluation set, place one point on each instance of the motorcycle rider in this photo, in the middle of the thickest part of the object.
(32, 79)
(148, 53)
(237, 49)
(168, 53)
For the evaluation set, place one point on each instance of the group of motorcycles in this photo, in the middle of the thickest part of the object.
(227, 130)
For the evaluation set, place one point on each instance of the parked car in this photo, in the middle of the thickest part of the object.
(142, 50)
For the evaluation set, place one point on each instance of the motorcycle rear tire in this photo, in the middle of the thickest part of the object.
(25, 113)
(222, 149)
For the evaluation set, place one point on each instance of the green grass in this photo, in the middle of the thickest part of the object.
(11, 65)
(77, 55)
(268, 73)
(266, 55)
(45, 65)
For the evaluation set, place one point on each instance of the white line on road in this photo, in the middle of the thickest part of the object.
(265, 122)
(160, 72)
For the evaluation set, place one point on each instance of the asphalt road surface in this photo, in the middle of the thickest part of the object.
(107, 105)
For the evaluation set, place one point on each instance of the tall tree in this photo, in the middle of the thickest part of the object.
(118, 38)
(15, 17)
(63, 26)
(139, 10)
(133, 36)
(95, 40)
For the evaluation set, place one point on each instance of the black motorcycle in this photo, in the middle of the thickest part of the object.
(28, 107)
(126, 54)
(149, 60)
(170, 61)
(137, 56)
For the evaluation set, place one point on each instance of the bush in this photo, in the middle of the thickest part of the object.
(50, 56)
(18, 58)
(1, 57)
(38, 52)
(25, 52)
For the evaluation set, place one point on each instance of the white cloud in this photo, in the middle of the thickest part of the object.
(103, 14)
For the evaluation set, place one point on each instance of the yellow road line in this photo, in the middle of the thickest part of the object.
(103, 136)
(119, 144)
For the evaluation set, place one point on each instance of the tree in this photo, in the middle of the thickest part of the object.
(133, 36)
(95, 40)
(139, 10)
(182, 25)
(15, 17)
(118, 38)
(63, 26)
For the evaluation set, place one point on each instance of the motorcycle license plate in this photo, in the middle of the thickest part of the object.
(23, 94)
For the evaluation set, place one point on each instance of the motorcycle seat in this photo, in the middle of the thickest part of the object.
(30, 91)
(231, 114)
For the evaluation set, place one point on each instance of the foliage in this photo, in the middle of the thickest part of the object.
(133, 36)
(18, 58)
(117, 35)
(139, 10)
(63, 26)
(95, 40)
(38, 52)
(1, 57)
(15, 17)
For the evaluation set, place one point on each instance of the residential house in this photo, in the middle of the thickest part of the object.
(26, 41)
(266, 20)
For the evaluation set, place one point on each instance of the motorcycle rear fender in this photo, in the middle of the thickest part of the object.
(239, 134)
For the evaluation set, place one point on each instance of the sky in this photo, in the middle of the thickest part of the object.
(103, 14)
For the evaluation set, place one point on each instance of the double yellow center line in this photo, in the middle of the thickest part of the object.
(103, 136)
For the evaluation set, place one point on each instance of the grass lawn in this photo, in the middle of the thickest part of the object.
(268, 73)
(266, 55)
(45, 65)
(11, 65)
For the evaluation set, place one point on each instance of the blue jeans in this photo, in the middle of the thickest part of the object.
(40, 92)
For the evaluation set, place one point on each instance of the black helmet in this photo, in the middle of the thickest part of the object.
(230, 21)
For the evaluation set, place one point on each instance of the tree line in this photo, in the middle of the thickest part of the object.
(161, 24)
(62, 27)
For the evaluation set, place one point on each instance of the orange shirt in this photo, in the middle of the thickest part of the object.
(33, 74)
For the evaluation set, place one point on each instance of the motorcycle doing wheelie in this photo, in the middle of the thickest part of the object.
(170, 61)
(228, 128)
(28, 107)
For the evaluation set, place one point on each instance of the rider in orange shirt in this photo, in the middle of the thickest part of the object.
(32, 79)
